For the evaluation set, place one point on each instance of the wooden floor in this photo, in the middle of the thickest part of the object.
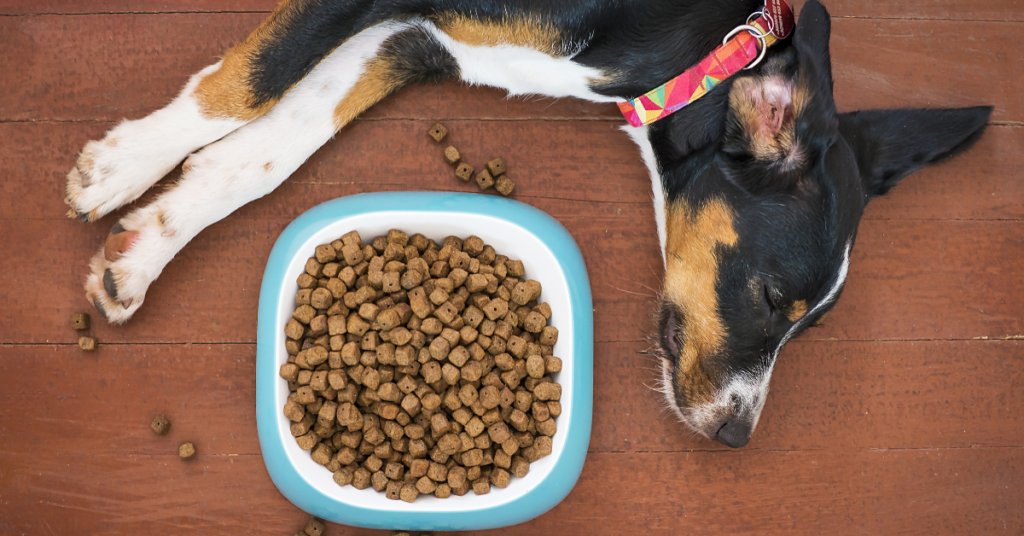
(904, 413)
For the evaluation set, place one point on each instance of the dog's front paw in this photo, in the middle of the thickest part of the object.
(111, 173)
(111, 287)
(135, 252)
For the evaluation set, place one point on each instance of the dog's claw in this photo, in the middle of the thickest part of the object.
(99, 309)
(109, 284)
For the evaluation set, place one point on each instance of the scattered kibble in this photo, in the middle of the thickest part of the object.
(464, 172)
(80, 321)
(87, 343)
(504, 185)
(438, 132)
(484, 180)
(160, 425)
(315, 527)
(496, 167)
(493, 175)
(452, 156)
(186, 451)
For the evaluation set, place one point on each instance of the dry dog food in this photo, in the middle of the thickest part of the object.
(186, 451)
(87, 343)
(504, 185)
(464, 172)
(496, 167)
(420, 367)
(160, 425)
(484, 180)
(80, 321)
(452, 156)
(492, 175)
(438, 132)
(315, 527)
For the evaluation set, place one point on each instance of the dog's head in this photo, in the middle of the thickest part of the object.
(759, 225)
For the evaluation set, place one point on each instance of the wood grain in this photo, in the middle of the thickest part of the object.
(1000, 10)
(900, 415)
(118, 66)
(795, 492)
(917, 279)
(825, 395)
(578, 161)
(900, 256)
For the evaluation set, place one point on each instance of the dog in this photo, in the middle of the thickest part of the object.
(758, 187)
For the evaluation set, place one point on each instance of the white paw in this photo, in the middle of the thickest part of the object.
(135, 252)
(111, 173)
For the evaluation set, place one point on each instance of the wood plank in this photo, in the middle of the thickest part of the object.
(911, 279)
(106, 7)
(981, 184)
(825, 396)
(1002, 10)
(128, 65)
(929, 64)
(118, 66)
(581, 161)
(834, 396)
(916, 279)
(607, 211)
(220, 273)
(988, 10)
(807, 492)
(578, 161)
(945, 491)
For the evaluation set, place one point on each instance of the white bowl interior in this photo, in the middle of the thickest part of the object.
(508, 239)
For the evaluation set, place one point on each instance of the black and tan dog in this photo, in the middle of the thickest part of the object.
(758, 187)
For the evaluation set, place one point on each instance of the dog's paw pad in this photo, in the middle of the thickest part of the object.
(105, 288)
(118, 242)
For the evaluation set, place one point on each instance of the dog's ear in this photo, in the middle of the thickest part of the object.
(891, 144)
(784, 115)
(814, 91)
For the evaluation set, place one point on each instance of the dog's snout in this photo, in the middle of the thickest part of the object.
(734, 433)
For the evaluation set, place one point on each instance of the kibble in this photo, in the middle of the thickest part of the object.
(80, 321)
(186, 451)
(420, 367)
(451, 155)
(87, 343)
(496, 167)
(484, 180)
(315, 527)
(160, 425)
(438, 132)
(504, 185)
(464, 172)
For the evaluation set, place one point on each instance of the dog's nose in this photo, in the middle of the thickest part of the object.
(734, 433)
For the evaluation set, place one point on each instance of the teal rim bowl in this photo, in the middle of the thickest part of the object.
(520, 231)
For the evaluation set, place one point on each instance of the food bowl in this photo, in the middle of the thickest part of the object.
(519, 231)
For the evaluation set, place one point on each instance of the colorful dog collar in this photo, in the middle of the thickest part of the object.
(739, 49)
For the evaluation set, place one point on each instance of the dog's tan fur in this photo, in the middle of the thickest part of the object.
(694, 236)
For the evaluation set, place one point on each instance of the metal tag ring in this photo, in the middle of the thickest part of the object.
(766, 16)
(754, 32)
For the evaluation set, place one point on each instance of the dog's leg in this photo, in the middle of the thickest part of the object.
(218, 100)
(134, 155)
(250, 162)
